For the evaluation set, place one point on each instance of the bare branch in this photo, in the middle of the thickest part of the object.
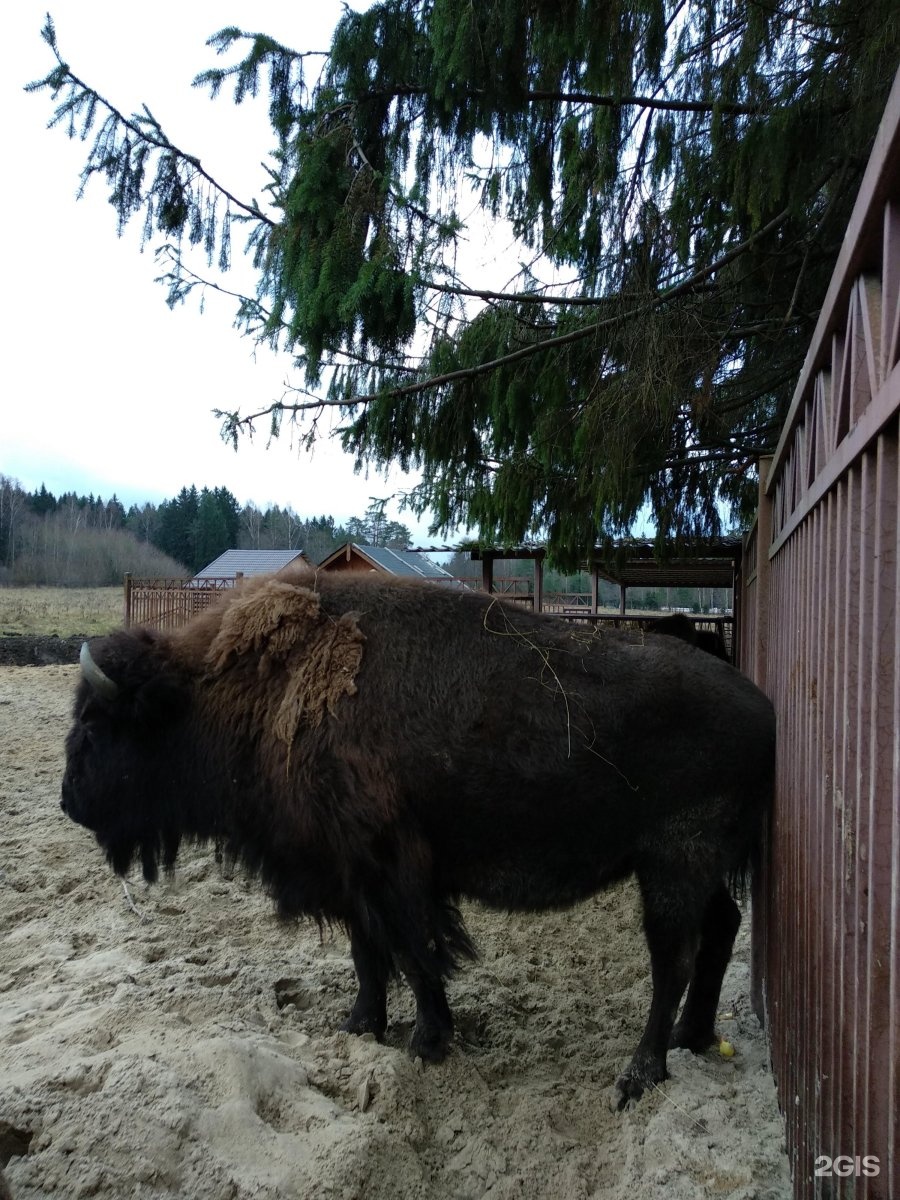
(725, 108)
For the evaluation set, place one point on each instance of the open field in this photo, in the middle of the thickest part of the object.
(65, 612)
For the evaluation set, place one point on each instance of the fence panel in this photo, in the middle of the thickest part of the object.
(170, 603)
(829, 906)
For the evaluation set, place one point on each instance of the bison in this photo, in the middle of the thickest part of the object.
(375, 750)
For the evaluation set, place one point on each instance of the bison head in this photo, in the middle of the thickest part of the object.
(122, 752)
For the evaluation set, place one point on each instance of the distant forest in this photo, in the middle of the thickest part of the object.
(86, 541)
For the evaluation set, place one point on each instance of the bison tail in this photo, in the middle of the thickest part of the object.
(738, 880)
(749, 866)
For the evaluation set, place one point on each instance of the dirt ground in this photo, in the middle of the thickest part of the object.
(187, 1049)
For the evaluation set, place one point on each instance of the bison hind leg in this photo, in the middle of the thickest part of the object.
(674, 907)
(721, 920)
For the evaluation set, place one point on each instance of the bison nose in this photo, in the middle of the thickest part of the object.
(65, 797)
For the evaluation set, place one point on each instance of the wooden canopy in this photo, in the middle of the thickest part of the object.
(634, 562)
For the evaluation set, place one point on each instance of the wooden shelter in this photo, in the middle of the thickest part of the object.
(633, 562)
(411, 564)
(170, 603)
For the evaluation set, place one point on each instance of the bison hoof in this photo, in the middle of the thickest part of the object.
(639, 1076)
(685, 1037)
(431, 1045)
(364, 1024)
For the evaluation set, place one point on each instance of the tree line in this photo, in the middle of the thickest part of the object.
(77, 540)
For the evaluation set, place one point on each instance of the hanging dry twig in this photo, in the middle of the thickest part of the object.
(556, 688)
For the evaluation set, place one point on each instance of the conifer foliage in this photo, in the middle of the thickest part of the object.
(678, 176)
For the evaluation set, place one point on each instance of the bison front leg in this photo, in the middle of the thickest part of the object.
(374, 966)
(672, 928)
(434, 1022)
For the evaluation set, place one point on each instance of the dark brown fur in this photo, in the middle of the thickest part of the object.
(376, 750)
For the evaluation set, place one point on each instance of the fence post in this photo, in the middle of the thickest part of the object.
(128, 599)
(763, 542)
(487, 572)
(539, 583)
(758, 663)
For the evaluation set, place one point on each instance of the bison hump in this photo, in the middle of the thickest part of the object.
(281, 631)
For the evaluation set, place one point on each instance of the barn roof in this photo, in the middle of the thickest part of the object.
(250, 562)
(393, 562)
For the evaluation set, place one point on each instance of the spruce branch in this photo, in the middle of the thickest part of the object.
(235, 422)
(145, 129)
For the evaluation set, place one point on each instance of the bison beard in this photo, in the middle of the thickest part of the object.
(374, 750)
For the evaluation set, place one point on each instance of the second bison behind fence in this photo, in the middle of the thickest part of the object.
(375, 749)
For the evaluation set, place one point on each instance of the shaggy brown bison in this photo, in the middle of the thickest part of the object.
(375, 750)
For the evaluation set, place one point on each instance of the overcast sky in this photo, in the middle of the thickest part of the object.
(104, 389)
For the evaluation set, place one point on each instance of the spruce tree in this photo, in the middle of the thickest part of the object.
(211, 536)
(681, 174)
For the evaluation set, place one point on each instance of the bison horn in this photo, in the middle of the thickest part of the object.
(99, 681)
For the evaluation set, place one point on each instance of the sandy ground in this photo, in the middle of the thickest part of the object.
(189, 1051)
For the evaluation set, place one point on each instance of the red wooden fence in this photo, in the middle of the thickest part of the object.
(820, 632)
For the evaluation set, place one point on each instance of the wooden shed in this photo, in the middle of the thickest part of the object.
(405, 563)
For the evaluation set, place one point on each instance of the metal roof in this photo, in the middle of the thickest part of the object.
(250, 562)
(402, 562)
(406, 563)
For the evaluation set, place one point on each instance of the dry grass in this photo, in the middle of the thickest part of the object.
(63, 611)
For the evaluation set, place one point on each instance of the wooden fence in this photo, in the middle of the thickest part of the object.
(820, 627)
(169, 603)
